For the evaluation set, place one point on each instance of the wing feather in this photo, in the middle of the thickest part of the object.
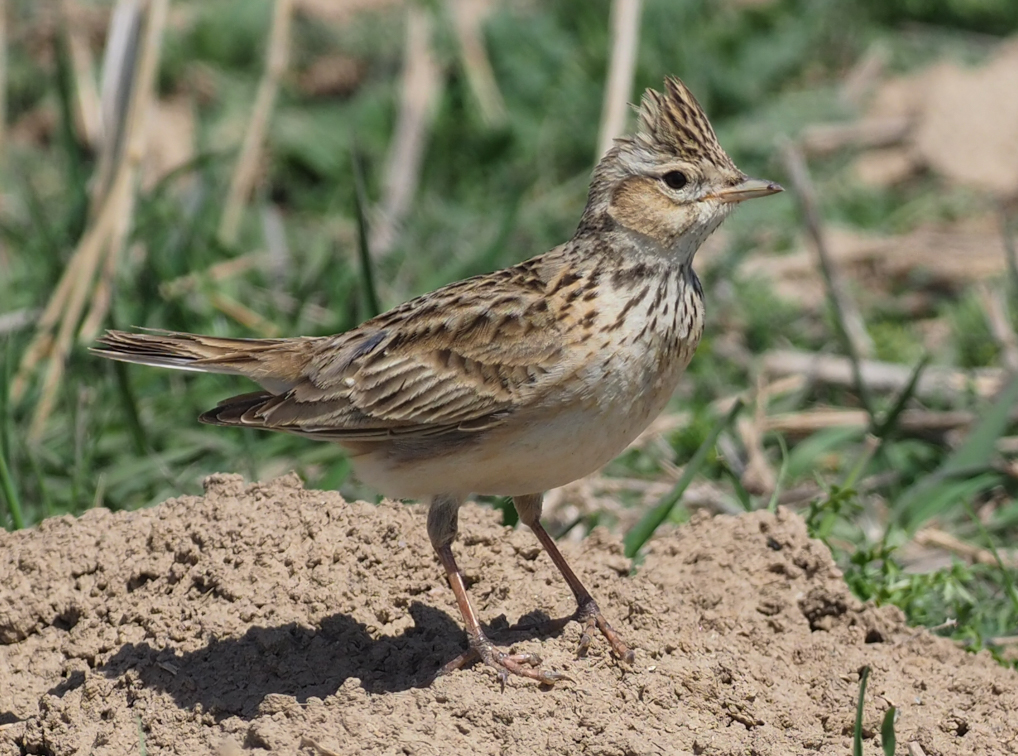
(458, 360)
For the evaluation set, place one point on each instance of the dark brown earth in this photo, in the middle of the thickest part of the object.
(267, 618)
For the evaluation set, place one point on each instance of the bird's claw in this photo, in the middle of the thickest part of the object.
(590, 615)
(521, 665)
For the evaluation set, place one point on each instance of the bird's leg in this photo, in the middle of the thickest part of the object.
(587, 612)
(442, 525)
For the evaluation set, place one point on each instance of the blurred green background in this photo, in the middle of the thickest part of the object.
(921, 515)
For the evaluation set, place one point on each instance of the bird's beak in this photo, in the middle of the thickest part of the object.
(748, 189)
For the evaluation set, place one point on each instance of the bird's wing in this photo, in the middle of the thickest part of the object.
(460, 359)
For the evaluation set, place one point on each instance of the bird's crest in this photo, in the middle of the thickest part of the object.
(674, 124)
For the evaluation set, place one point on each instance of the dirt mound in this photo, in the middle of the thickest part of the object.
(271, 618)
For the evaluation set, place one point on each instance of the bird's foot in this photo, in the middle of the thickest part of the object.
(521, 665)
(590, 615)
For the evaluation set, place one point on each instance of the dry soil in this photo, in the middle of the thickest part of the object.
(268, 618)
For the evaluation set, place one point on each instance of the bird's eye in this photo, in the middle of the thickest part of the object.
(675, 179)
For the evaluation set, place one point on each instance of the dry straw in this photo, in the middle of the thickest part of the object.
(846, 311)
(625, 30)
(88, 106)
(936, 382)
(420, 92)
(468, 17)
(245, 171)
(88, 276)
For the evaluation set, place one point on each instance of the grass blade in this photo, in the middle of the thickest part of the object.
(806, 456)
(644, 529)
(936, 494)
(360, 205)
(10, 493)
(972, 457)
(772, 505)
(864, 675)
(744, 497)
(1005, 573)
(888, 739)
(883, 429)
(6, 479)
(849, 321)
(980, 446)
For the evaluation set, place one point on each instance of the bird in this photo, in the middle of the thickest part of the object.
(513, 382)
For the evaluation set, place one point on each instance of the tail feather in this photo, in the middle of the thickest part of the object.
(231, 411)
(201, 354)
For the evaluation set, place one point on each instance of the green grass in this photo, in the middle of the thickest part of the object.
(488, 198)
(640, 533)
(888, 738)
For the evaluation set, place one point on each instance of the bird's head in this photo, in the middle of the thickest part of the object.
(670, 183)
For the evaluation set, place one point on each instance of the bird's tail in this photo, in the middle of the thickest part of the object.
(188, 351)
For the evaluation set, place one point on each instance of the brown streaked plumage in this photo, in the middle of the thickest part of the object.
(516, 381)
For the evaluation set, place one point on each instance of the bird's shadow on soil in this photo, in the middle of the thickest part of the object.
(232, 677)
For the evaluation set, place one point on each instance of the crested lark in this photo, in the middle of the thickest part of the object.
(516, 381)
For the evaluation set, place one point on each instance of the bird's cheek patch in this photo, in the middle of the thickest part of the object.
(638, 205)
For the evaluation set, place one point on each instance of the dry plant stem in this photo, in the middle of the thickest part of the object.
(882, 131)
(102, 295)
(950, 259)
(88, 114)
(119, 70)
(865, 74)
(783, 385)
(243, 315)
(105, 236)
(132, 152)
(124, 26)
(218, 272)
(850, 320)
(249, 159)
(66, 299)
(89, 254)
(883, 377)
(758, 477)
(625, 29)
(469, 17)
(937, 538)
(922, 423)
(420, 91)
